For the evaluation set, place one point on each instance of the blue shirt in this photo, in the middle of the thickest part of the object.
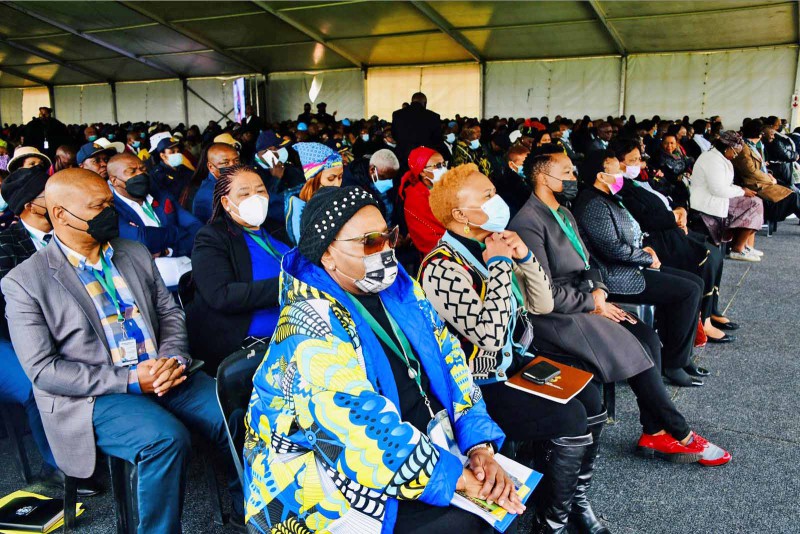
(204, 199)
(264, 267)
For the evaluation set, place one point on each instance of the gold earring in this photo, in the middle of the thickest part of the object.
(466, 228)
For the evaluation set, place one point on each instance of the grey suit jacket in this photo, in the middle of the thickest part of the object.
(606, 348)
(60, 343)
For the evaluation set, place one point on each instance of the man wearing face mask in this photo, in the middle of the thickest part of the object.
(469, 150)
(105, 344)
(172, 173)
(219, 156)
(376, 176)
(450, 137)
(378, 366)
(279, 175)
(237, 260)
(152, 217)
(511, 184)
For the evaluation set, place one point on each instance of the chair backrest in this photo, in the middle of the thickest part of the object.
(234, 387)
(185, 289)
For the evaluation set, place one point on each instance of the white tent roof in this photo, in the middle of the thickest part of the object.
(63, 43)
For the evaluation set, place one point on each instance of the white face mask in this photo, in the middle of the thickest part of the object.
(437, 174)
(283, 155)
(632, 171)
(252, 210)
(380, 271)
(175, 160)
(497, 210)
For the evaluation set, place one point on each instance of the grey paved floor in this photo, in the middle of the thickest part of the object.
(749, 406)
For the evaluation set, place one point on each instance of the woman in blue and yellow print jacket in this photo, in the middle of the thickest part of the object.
(328, 448)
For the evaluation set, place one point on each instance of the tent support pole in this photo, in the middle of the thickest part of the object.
(623, 82)
(185, 83)
(794, 112)
(114, 116)
(51, 91)
(482, 108)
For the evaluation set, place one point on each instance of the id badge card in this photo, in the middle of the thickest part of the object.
(440, 432)
(128, 345)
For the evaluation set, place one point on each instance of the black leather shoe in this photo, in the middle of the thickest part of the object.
(681, 378)
(694, 370)
(730, 325)
(727, 338)
(87, 487)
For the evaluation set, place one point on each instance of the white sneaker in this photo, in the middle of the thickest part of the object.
(754, 251)
(744, 255)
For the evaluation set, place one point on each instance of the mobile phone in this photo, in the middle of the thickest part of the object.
(541, 373)
(195, 366)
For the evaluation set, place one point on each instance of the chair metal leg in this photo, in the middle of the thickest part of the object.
(20, 456)
(207, 457)
(70, 502)
(124, 494)
(610, 401)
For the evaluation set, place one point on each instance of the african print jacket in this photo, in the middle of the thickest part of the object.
(326, 449)
(462, 154)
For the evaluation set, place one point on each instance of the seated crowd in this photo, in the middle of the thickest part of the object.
(390, 275)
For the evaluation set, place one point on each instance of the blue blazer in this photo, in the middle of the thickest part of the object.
(177, 231)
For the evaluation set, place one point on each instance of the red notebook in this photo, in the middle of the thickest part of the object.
(562, 388)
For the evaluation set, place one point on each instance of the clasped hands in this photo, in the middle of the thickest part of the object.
(484, 478)
(160, 375)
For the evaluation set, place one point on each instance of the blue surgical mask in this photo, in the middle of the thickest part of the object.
(92, 138)
(565, 135)
(175, 160)
(142, 135)
(521, 171)
(450, 138)
(3, 204)
(381, 185)
(475, 144)
(365, 137)
(136, 144)
(111, 137)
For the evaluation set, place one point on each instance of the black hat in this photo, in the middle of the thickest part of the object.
(22, 186)
(328, 210)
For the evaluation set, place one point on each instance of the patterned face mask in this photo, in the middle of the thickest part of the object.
(4, 162)
(380, 271)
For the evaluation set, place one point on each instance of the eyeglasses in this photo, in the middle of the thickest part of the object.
(374, 241)
(440, 165)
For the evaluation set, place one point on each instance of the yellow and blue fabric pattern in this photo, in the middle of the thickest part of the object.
(326, 449)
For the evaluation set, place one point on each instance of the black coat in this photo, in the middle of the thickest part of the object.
(16, 246)
(416, 126)
(781, 153)
(671, 185)
(225, 296)
(609, 232)
(512, 188)
(672, 245)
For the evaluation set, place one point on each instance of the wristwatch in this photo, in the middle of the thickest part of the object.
(481, 446)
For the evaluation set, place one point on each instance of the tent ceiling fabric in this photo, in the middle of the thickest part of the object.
(305, 36)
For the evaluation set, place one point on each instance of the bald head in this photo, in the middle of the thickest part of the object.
(74, 197)
(221, 155)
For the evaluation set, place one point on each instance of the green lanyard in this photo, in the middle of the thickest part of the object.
(107, 281)
(148, 210)
(406, 355)
(569, 231)
(265, 244)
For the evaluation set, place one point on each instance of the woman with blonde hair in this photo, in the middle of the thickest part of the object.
(483, 281)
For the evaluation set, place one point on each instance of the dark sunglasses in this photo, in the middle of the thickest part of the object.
(374, 241)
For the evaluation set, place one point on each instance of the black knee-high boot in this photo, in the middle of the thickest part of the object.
(582, 516)
(561, 464)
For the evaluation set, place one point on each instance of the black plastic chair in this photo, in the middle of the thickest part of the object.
(185, 289)
(234, 388)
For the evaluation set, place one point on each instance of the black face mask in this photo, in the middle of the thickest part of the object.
(138, 186)
(569, 191)
(103, 227)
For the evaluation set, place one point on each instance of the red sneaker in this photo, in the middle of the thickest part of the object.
(670, 449)
(712, 455)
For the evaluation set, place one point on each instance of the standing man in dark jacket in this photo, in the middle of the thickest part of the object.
(45, 132)
(416, 126)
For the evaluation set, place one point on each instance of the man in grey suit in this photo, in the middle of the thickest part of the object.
(105, 347)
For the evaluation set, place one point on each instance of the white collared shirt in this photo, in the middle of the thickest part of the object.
(702, 142)
(135, 206)
(37, 236)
